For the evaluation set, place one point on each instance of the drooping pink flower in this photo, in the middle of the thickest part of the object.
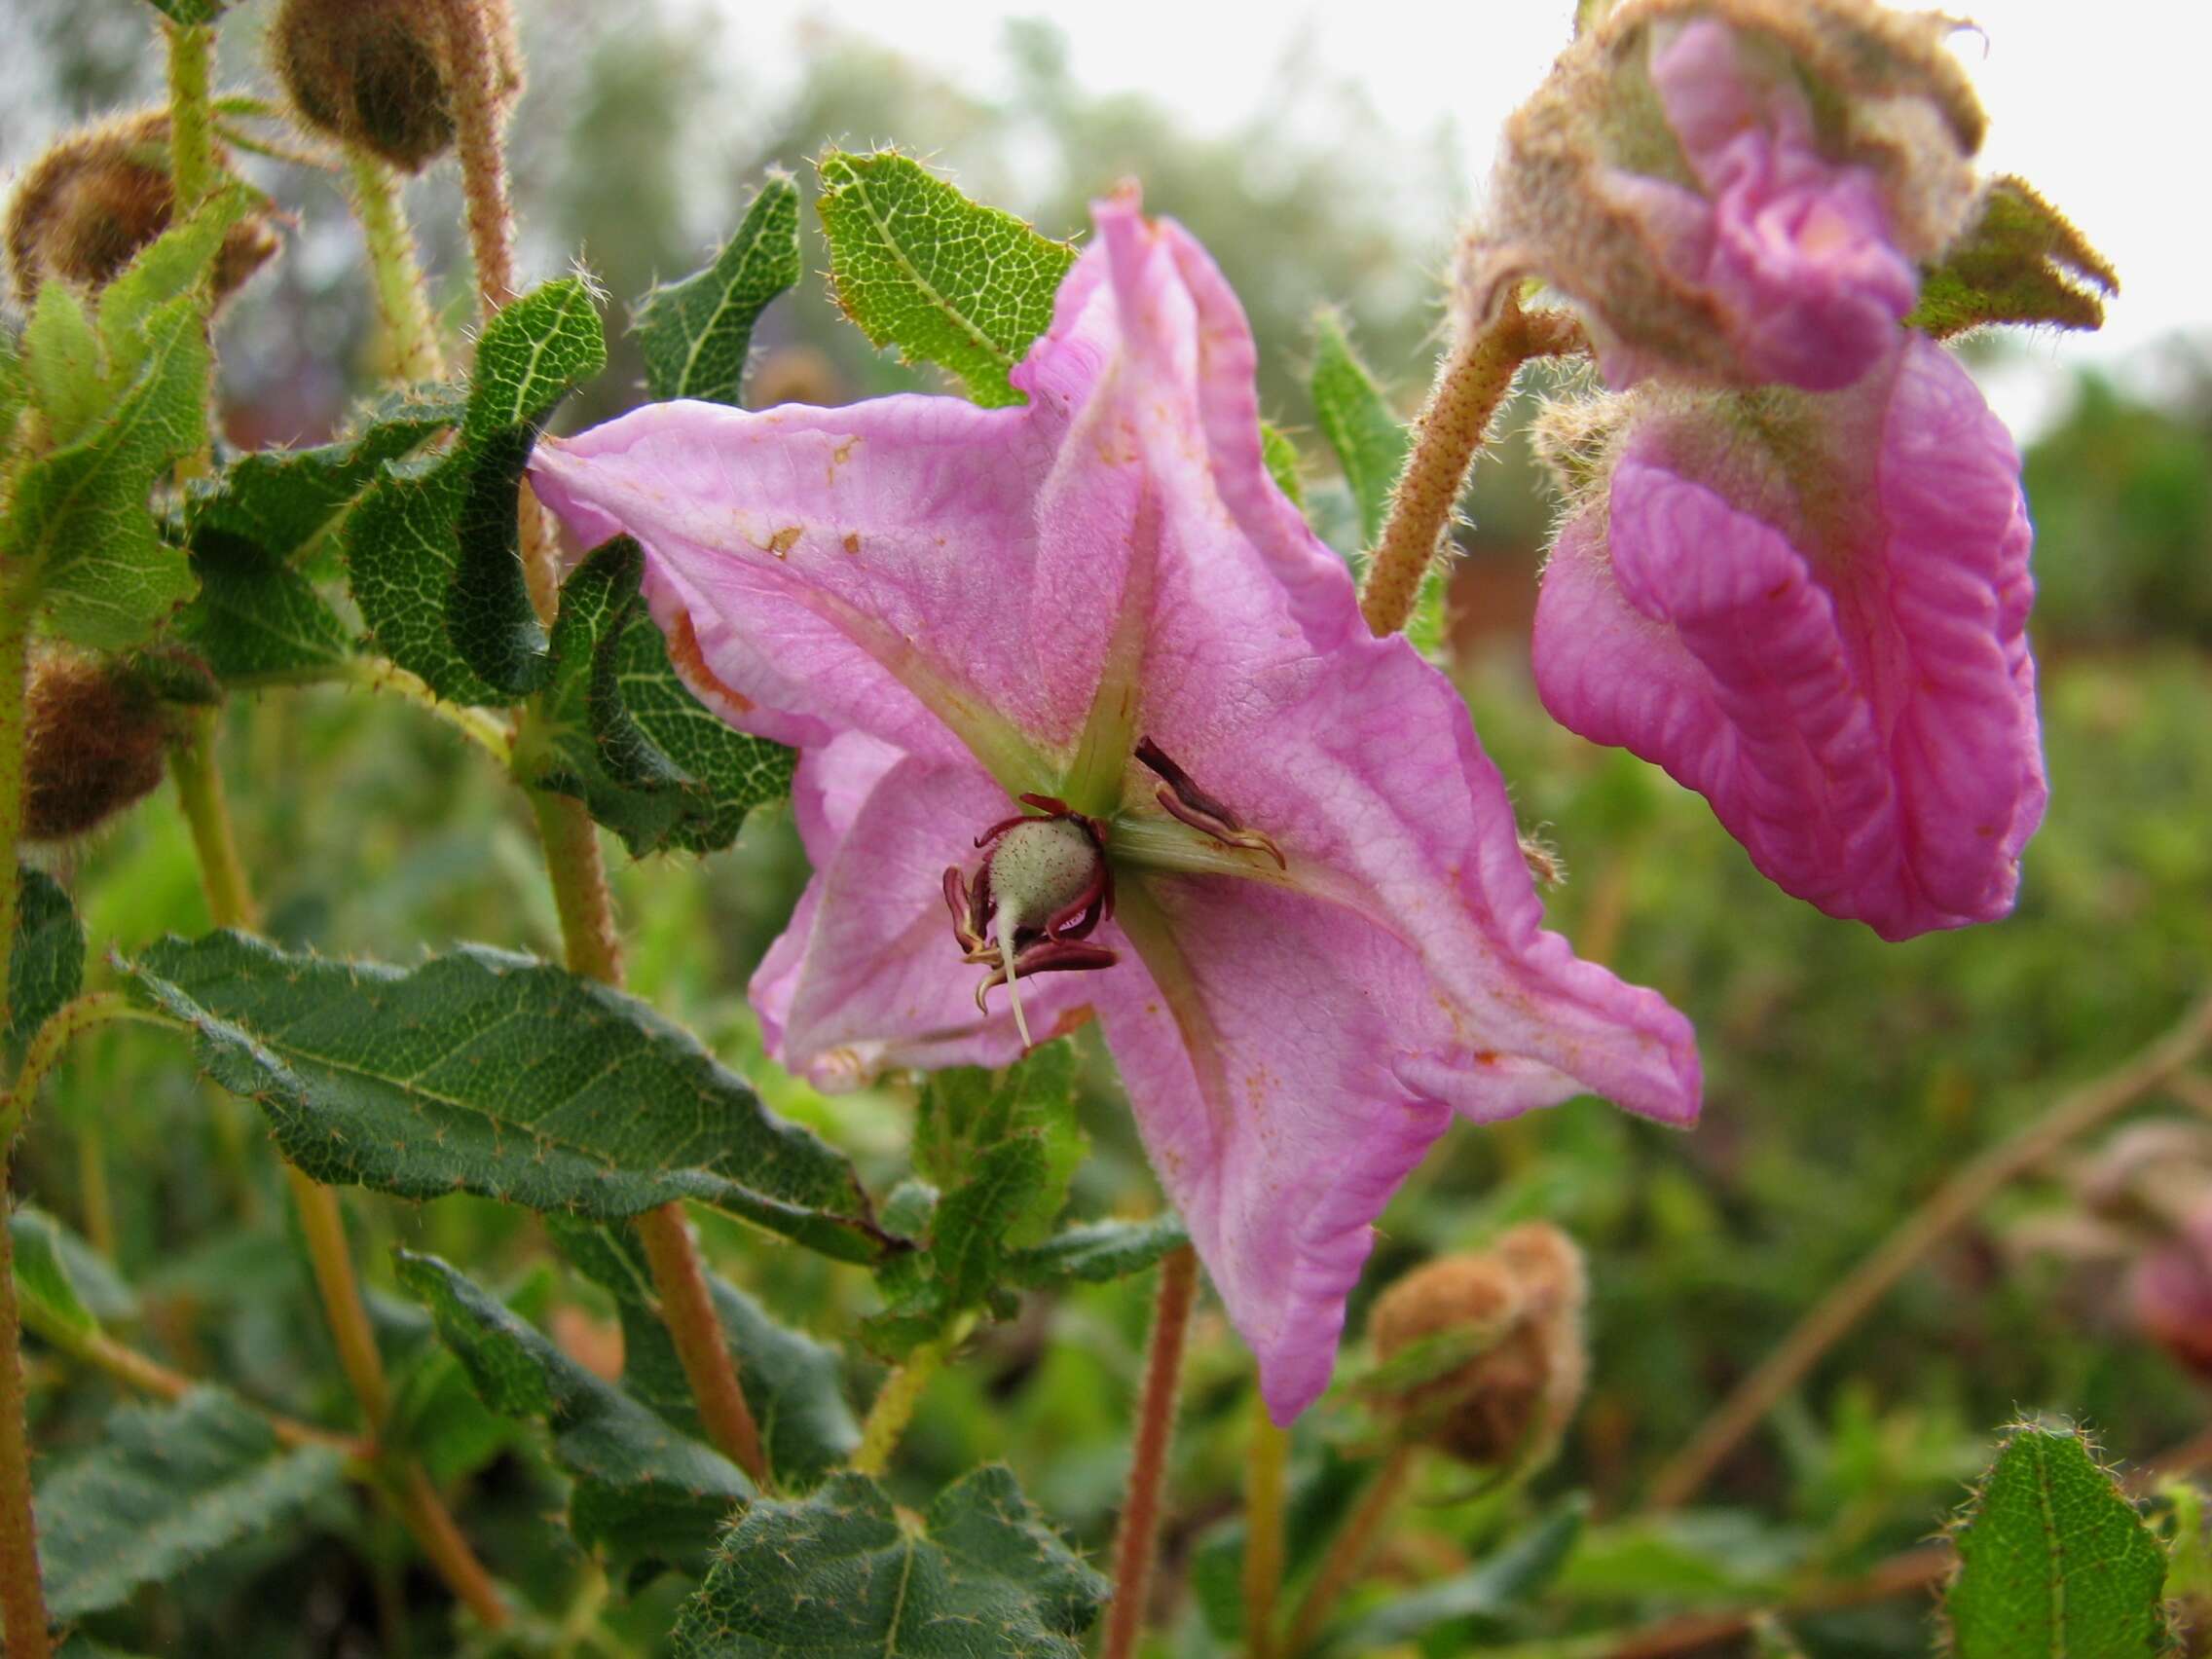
(1084, 705)
(1813, 610)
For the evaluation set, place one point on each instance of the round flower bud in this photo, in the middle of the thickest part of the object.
(95, 736)
(89, 204)
(1737, 192)
(376, 73)
(1519, 1304)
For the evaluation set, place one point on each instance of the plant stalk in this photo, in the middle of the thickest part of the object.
(894, 1408)
(410, 330)
(678, 1276)
(1139, 1537)
(1350, 1549)
(1264, 1534)
(1944, 1210)
(1472, 382)
(199, 794)
(191, 116)
(22, 1599)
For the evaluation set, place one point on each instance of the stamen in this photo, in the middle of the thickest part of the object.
(1183, 799)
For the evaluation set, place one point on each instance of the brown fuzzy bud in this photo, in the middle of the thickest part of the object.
(1518, 1304)
(95, 735)
(87, 206)
(375, 73)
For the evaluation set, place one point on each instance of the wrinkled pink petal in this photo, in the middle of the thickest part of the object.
(1793, 252)
(1863, 720)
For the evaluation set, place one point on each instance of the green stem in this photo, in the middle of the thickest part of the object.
(893, 1407)
(22, 1599)
(1350, 1551)
(411, 332)
(199, 794)
(94, 1007)
(192, 115)
(1139, 1536)
(1263, 1532)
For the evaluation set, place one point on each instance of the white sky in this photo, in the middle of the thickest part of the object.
(2102, 104)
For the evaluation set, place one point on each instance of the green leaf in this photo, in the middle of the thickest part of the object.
(918, 266)
(795, 1385)
(1281, 458)
(402, 556)
(281, 499)
(966, 1110)
(1368, 438)
(46, 965)
(694, 335)
(2023, 262)
(495, 1074)
(489, 614)
(81, 522)
(65, 372)
(531, 353)
(1099, 1251)
(174, 266)
(1484, 1591)
(739, 772)
(256, 619)
(167, 1488)
(643, 1490)
(66, 1286)
(190, 12)
(838, 1574)
(2054, 1560)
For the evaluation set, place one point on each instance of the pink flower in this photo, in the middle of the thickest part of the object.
(1791, 253)
(1263, 847)
(1813, 610)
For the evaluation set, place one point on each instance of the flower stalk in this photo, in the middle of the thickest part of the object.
(1263, 1483)
(895, 1403)
(1139, 1539)
(1472, 383)
(677, 1275)
(192, 115)
(1350, 1549)
(410, 331)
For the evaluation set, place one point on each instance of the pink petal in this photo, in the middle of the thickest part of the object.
(1862, 721)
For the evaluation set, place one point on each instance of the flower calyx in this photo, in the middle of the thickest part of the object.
(1043, 886)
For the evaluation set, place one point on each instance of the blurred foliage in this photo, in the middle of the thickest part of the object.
(1845, 1076)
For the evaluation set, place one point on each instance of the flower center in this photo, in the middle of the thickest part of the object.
(1043, 887)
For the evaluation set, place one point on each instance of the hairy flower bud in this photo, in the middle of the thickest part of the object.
(1812, 608)
(374, 73)
(89, 204)
(1518, 1304)
(1736, 191)
(93, 741)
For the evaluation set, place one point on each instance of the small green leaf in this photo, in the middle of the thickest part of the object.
(918, 266)
(838, 1574)
(46, 965)
(1099, 1251)
(65, 372)
(1486, 1591)
(1369, 440)
(1281, 458)
(739, 772)
(256, 619)
(175, 265)
(402, 556)
(694, 335)
(67, 1284)
(531, 353)
(190, 12)
(2023, 262)
(643, 1493)
(167, 1488)
(795, 1385)
(489, 614)
(81, 520)
(495, 1074)
(281, 499)
(2054, 1560)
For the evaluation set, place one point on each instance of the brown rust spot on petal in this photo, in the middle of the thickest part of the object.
(691, 665)
(784, 540)
(853, 541)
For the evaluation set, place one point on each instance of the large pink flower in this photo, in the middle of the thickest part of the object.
(1791, 252)
(1313, 938)
(1814, 611)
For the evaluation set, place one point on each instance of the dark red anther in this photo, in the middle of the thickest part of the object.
(1185, 801)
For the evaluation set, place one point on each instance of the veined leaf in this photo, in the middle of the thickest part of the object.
(46, 965)
(66, 1283)
(643, 1491)
(793, 1384)
(65, 371)
(402, 556)
(531, 353)
(838, 1574)
(2054, 1560)
(1369, 440)
(175, 265)
(739, 772)
(1099, 1251)
(256, 619)
(1281, 458)
(918, 266)
(694, 335)
(167, 1488)
(496, 1074)
(281, 499)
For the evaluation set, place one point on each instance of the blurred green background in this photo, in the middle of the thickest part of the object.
(1847, 1077)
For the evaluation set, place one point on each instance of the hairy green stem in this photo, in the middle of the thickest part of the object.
(410, 331)
(94, 1007)
(1139, 1537)
(893, 1407)
(206, 810)
(191, 116)
(1263, 1532)
(1349, 1550)
(23, 1601)
(1472, 382)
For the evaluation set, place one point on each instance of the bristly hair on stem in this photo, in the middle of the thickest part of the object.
(1138, 1540)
